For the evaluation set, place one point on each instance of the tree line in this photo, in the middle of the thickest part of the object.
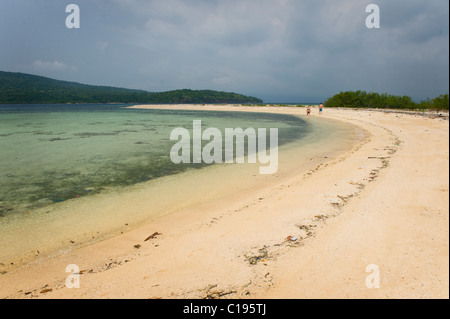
(363, 99)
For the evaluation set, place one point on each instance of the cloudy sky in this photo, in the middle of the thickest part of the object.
(283, 51)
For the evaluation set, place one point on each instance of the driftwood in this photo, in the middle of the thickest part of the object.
(152, 236)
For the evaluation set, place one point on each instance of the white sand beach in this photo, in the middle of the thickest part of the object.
(312, 235)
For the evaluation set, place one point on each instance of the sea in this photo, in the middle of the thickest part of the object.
(68, 171)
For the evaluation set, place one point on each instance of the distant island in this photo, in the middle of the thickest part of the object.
(22, 88)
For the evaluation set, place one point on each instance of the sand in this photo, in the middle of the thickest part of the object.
(372, 223)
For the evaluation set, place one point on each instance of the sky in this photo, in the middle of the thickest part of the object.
(282, 51)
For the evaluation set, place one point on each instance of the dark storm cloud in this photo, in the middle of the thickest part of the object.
(284, 50)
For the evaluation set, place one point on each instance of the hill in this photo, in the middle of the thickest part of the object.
(21, 88)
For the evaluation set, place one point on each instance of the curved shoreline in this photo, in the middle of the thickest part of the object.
(72, 224)
(344, 215)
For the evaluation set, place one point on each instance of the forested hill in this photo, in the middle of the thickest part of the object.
(21, 88)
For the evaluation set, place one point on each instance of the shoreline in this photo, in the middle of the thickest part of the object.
(75, 223)
(343, 215)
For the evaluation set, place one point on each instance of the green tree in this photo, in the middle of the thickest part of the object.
(362, 99)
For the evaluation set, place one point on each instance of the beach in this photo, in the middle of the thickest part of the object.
(370, 223)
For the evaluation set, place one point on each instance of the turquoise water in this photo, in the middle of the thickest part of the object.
(53, 153)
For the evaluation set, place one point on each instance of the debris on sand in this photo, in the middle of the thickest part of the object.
(154, 235)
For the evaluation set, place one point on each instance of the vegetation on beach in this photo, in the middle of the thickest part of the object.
(363, 99)
(20, 88)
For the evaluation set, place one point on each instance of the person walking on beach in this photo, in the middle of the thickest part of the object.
(308, 111)
(320, 108)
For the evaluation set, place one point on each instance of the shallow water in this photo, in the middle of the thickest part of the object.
(55, 153)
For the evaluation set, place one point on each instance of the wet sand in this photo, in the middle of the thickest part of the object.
(312, 235)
